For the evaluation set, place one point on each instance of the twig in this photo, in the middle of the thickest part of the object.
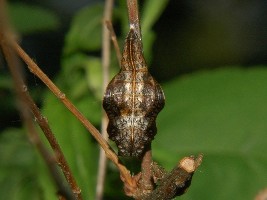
(42, 121)
(104, 122)
(145, 180)
(134, 17)
(177, 181)
(62, 97)
(114, 40)
(26, 103)
(21, 90)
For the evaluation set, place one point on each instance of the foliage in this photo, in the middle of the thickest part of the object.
(17, 166)
(30, 18)
(219, 113)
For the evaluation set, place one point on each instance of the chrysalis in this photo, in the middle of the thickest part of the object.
(132, 101)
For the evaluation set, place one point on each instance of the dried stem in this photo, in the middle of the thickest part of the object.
(145, 183)
(62, 97)
(25, 105)
(114, 40)
(21, 92)
(134, 16)
(146, 178)
(42, 121)
(177, 181)
(104, 122)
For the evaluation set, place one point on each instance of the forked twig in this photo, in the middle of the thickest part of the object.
(176, 182)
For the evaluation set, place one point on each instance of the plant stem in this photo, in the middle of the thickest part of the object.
(114, 41)
(33, 67)
(134, 17)
(25, 105)
(21, 92)
(102, 163)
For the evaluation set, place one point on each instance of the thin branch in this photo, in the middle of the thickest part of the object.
(134, 17)
(42, 121)
(25, 102)
(104, 122)
(62, 97)
(146, 178)
(21, 90)
(114, 40)
(177, 181)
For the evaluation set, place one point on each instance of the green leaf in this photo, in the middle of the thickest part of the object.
(151, 11)
(85, 33)
(148, 40)
(94, 76)
(30, 19)
(222, 114)
(5, 81)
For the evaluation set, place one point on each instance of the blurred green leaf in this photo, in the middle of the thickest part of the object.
(30, 19)
(74, 66)
(85, 33)
(151, 11)
(5, 81)
(90, 70)
(222, 114)
(148, 39)
(17, 167)
(94, 76)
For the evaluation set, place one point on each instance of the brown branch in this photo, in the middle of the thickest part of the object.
(169, 185)
(146, 178)
(145, 184)
(42, 121)
(114, 41)
(133, 14)
(21, 92)
(177, 181)
(26, 104)
(62, 97)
